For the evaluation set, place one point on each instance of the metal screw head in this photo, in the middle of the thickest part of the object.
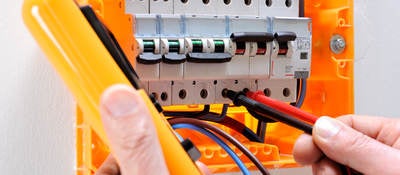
(337, 44)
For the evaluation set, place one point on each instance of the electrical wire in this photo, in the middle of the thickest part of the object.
(216, 139)
(301, 8)
(226, 136)
(282, 107)
(240, 128)
(298, 83)
(302, 95)
(261, 124)
(301, 89)
(205, 111)
(232, 124)
(221, 118)
(211, 116)
(261, 130)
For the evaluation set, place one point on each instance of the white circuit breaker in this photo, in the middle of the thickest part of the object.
(190, 50)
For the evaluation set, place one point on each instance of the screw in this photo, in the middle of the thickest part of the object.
(337, 44)
(340, 43)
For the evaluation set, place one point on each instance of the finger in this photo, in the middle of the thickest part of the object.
(129, 127)
(305, 152)
(390, 134)
(349, 147)
(109, 167)
(368, 125)
(385, 130)
(326, 167)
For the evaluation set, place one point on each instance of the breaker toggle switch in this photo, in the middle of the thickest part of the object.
(284, 43)
(261, 48)
(173, 51)
(252, 37)
(240, 48)
(208, 50)
(149, 51)
(259, 38)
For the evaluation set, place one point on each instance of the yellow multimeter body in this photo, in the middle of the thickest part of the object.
(88, 69)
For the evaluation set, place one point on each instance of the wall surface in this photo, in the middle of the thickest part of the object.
(377, 38)
(37, 111)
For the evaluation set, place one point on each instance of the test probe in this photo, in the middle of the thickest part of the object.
(268, 108)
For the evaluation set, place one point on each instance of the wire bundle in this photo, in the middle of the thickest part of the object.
(221, 118)
(192, 120)
(205, 129)
(218, 141)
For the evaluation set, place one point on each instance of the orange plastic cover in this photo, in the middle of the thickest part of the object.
(329, 92)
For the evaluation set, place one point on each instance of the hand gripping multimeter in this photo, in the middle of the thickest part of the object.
(89, 59)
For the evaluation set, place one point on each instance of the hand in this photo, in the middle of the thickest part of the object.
(133, 139)
(370, 145)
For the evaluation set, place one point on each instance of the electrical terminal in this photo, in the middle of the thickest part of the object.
(179, 92)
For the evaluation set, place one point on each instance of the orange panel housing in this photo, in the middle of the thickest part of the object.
(329, 92)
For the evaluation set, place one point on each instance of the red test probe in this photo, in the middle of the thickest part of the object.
(282, 107)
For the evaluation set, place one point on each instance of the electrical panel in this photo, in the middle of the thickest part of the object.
(186, 52)
(190, 50)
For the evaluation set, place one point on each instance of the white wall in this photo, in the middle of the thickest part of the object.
(377, 67)
(37, 112)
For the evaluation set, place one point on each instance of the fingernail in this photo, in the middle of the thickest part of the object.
(326, 127)
(119, 103)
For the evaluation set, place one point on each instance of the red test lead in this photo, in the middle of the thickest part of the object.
(293, 112)
(282, 107)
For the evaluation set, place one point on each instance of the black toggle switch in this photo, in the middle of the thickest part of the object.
(252, 37)
(209, 57)
(174, 58)
(285, 36)
(148, 58)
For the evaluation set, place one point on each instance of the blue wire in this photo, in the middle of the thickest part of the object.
(302, 93)
(212, 136)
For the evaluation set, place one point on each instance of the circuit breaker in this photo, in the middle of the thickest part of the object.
(189, 50)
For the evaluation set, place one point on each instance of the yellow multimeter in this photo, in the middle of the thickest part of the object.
(89, 59)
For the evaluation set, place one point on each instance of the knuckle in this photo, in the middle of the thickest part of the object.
(347, 119)
(358, 141)
(395, 136)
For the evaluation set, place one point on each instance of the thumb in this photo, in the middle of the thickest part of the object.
(129, 127)
(347, 146)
